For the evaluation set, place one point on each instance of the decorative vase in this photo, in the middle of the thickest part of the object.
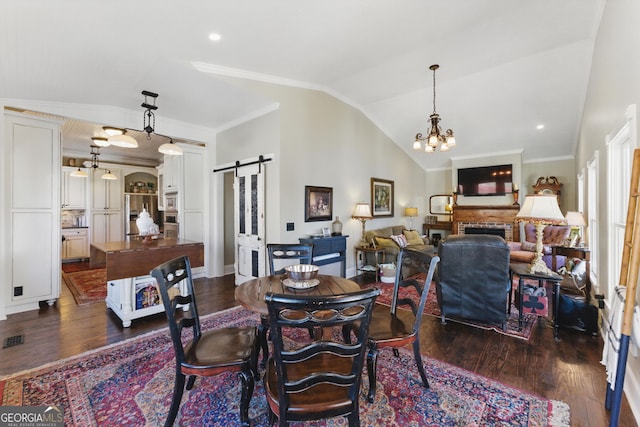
(336, 227)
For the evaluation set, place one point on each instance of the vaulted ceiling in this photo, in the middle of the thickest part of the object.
(505, 66)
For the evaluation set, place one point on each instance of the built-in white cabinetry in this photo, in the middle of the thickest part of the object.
(106, 194)
(160, 170)
(31, 156)
(185, 176)
(172, 170)
(107, 199)
(107, 226)
(75, 243)
(74, 190)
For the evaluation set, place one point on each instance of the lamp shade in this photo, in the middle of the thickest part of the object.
(79, 173)
(109, 176)
(124, 141)
(541, 208)
(575, 219)
(171, 149)
(362, 211)
(410, 211)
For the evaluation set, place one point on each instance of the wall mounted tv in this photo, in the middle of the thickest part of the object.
(485, 181)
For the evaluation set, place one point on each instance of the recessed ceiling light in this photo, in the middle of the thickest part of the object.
(540, 127)
(214, 37)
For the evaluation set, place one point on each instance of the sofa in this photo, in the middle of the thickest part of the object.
(472, 281)
(390, 238)
(553, 235)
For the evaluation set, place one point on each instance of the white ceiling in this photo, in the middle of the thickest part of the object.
(505, 66)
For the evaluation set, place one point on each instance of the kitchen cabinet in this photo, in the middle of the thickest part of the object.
(75, 243)
(160, 170)
(31, 154)
(106, 194)
(107, 226)
(74, 190)
(172, 173)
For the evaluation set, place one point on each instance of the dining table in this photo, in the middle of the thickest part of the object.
(250, 295)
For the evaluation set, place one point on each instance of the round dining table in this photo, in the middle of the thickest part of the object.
(251, 294)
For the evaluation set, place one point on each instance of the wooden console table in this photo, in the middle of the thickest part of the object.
(440, 225)
(327, 250)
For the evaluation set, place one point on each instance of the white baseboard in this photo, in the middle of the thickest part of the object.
(229, 269)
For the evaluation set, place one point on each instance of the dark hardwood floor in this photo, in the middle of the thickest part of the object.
(568, 370)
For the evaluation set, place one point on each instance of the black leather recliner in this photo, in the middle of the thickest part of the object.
(473, 278)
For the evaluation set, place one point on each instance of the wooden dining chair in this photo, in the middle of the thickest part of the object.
(301, 253)
(392, 328)
(287, 253)
(207, 353)
(311, 380)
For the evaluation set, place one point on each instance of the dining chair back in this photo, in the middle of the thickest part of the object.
(206, 353)
(316, 379)
(284, 254)
(399, 325)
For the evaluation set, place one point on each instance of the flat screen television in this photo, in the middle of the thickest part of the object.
(485, 181)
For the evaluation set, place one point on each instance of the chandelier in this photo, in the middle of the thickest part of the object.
(435, 136)
(95, 164)
(149, 124)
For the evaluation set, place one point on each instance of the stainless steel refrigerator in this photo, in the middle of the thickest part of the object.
(133, 205)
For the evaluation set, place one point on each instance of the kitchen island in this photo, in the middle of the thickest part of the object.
(131, 292)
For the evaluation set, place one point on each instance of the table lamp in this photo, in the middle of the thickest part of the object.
(363, 213)
(541, 210)
(576, 221)
(410, 212)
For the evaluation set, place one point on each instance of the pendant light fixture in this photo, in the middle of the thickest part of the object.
(149, 124)
(115, 136)
(79, 174)
(435, 136)
(95, 164)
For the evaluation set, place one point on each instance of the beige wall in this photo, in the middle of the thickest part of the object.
(614, 84)
(321, 141)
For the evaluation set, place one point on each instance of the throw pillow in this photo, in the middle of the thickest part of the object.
(385, 242)
(413, 238)
(528, 246)
(400, 240)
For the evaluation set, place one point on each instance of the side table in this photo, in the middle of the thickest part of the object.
(574, 252)
(522, 271)
(361, 266)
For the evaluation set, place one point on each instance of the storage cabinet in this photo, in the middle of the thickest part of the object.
(107, 226)
(75, 243)
(105, 193)
(172, 173)
(133, 298)
(31, 153)
(74, 190)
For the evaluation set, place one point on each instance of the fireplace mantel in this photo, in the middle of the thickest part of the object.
(494, 214)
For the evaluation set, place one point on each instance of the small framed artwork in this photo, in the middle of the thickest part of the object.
(318, 203)
(381, 197)
(326, 232)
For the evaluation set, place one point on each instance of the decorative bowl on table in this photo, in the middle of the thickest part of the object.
(301, 276)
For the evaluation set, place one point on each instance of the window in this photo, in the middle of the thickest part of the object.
(620, 160)
(592, 213)
(581, 191)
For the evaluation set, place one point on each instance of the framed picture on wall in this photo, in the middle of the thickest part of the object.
(318, 203)
(381, 197)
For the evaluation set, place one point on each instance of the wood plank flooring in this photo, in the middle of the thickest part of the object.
(568, 370)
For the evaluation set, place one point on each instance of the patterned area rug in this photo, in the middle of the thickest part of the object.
(130, 384)
(88, 286)
(432, 309)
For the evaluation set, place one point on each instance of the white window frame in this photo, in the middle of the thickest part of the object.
(592, 214)
(620, 146)
(580, 179)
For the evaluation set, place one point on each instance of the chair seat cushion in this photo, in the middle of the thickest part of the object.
(220, 347)
(318, 398)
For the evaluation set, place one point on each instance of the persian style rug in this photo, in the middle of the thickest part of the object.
(88, 286)
(432, 309)
(131, 383)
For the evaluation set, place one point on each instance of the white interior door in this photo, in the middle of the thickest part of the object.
(248, 194)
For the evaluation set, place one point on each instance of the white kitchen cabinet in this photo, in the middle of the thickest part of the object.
(172, 173)
(75, 243)
(107, 226)
(160, 170)
(74, 190)
(31, 153)
(106, 194)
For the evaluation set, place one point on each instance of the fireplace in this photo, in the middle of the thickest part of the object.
(479, 230)
(498, 220)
